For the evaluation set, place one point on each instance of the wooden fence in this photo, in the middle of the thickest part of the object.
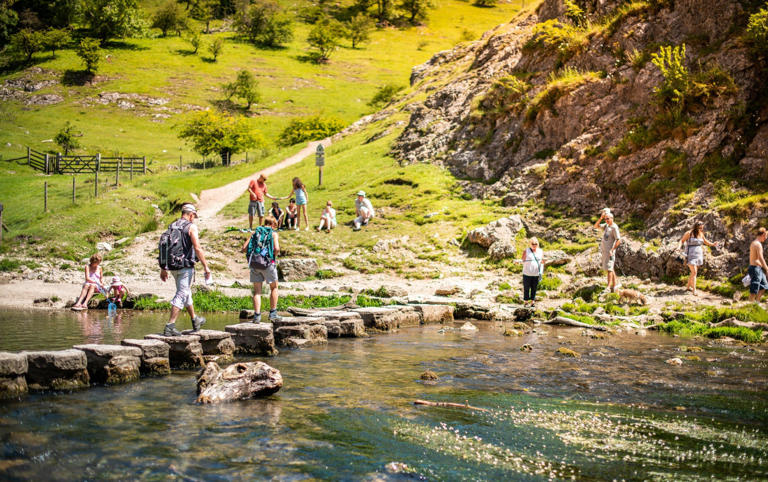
(60, 164)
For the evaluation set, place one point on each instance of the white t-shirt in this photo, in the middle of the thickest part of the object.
(532, 266)
(330, 213)
(364, 204)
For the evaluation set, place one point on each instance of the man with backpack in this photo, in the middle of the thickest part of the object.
(261, 251)
(179, 250)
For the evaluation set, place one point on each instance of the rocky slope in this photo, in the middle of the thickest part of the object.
(562, 109)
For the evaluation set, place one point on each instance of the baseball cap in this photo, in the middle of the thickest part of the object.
(361, 193)
(189, 208)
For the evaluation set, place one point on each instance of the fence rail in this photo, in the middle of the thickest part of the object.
(60, 164)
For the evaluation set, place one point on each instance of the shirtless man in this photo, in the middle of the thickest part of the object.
(757, 267)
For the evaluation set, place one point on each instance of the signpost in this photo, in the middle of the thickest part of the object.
(320, 161)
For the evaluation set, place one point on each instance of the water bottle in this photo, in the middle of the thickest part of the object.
(111, 309)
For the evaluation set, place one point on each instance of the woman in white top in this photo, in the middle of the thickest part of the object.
(328, 218)
(533, 268)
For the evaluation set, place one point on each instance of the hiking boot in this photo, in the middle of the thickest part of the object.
(170, 330)
(197, 322)
(273, 316)
(256, 318)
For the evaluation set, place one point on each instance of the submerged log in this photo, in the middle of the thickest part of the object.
(449, 405)
(562, 320)
(240, 381)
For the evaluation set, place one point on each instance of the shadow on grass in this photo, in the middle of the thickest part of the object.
(123, 45)
(208, 60)
(312, 57)
(77, 78)
(226, 105)
(10, 65)
(185, 52)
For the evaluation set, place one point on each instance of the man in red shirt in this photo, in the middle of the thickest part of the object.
(257, 190)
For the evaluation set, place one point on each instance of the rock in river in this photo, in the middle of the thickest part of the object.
(240, 381)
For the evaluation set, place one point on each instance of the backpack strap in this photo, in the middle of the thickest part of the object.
(538, 265)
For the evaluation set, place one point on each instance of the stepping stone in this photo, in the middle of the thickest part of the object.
(246, 314)
(352, 327)
(313, 333)
(112, 364)
(434, 313)
(253, 338)
(185, 351)
(297, 320)
(57, 370)
(154, 356)
(217, 345)
(475, 310)
(13, 368)
(387, 319)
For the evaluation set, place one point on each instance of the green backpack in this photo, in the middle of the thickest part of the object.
(261, 249)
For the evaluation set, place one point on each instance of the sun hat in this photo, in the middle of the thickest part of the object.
(361, 193)
(189, 208)
(116, 281)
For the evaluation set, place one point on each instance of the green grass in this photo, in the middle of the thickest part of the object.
(9, 264)
(693, 328)
(217, 301)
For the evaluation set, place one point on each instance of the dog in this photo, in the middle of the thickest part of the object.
(632, 296)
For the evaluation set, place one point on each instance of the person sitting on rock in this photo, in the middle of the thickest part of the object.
(608, 245)
(328, 218)
(93, 283)
(262, 261)
(363, 210)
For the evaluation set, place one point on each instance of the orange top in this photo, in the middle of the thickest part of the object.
(260, 188)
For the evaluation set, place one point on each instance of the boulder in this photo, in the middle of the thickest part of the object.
(253, 338)
(501, 250)
(447, 291)
(333, 328)
(351, 327)
(502, 230)
(297, 269)
(185, 351)
(390, 291)
(434, 313)
(388, 318)
(556, 257)
(523, 314)
(474, 310)
(112, 364)
(239, 381)
(154, 356)
(217, 345)
(57, 370)
(467, 326)
(13, 368)
(312, 333)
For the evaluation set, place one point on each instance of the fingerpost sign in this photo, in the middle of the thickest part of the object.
(320, 162)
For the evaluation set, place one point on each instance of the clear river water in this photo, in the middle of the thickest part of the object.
(346, 410)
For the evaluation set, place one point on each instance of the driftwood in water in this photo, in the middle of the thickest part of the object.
(743, 324)
(449, 405)
(313, 311)
(239, 381)
(562, 320)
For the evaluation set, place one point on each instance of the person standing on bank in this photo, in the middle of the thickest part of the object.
(757, 267)
(533, 269)
(694, 242)
(262, 249)
(257, 190)
(181, 264)
(608, 245)
(302, 198)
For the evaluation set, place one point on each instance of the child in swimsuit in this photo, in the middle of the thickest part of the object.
(117, 291)
(92, 283)
(302, 198)
(291, 215)
(277, 213)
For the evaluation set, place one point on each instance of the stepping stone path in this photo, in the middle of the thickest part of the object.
(297, 332)
(185, 352)
(217, 345)
(253, 338)
(13, 368)
(434, 313)
(342, 323)
(57, 370)
(387, 319)
(112, 364)
(154, 356)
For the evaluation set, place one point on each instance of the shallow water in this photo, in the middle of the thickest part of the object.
(346, 411)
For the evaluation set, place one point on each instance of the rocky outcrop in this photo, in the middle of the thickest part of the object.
(253, 338)
(154, 356)
(112, 364)
(498, 237)
(240, 381)
(297, 269)
(13, 368)
(185, 351)
(57, 370)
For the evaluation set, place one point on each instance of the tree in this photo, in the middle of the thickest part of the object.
(382, 8)
(27, 42)
(205, 11)
(8, 20)
(195, 40)
(108, 19)
(88, 50)
(244, 87)
(210, 133)
(170, 17)
(324, 38)
(417, 9)
(757, 30)
(67, 138)
(265, 23)
(216, 47)
(359, 29)
(56, 39)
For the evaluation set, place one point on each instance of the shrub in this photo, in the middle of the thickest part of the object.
(313, 128)
(170, 17)
(66, 138)
(9, 264)
(195, 40)
(560, 83)
(244, 87)
(56, 38)
(548, 283)
(757, 30)
(88, 50)
(673, 89)
(211, 133)
(27, 42)
(575, 13)
(216, 47)
(507, 94)
(266, 23)
(358, 29)
(385, 94)
(563, 39)
(324, 38)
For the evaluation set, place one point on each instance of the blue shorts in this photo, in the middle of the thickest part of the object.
(759, 282)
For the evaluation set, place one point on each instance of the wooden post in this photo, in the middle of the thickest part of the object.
(96, 184)
(1, 223)
(320, 173)
(58, 162)
(320, 162)
(131, 175)
(246, 156)
(179, 162)
(45, 196)
(73, 189)
(46, 164)
(29, 157)
(98, 162)
(144, 163)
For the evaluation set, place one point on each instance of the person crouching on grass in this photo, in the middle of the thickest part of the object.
(271, 247)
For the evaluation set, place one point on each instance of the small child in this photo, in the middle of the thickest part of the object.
(328, 218)
(117, 291)
(277, 213)
(291, 215)
(92, 283)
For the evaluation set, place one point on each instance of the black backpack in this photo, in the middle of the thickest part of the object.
(171, 250)
(260, 252)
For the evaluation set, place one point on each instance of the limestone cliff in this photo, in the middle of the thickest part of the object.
(561, 106)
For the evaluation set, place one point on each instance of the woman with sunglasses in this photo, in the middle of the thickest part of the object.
(533, 269)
